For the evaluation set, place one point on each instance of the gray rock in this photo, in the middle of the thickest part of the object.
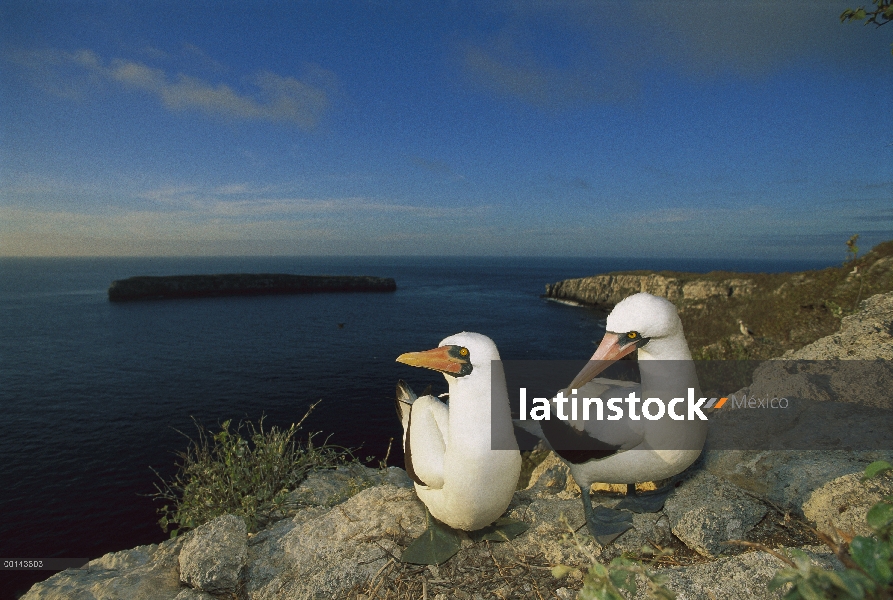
(743, 576)
(552, 476)
(706, 511)
(843, 503)
(322, 556)
(866, 381)
(214, 555)
(143, 573)
(648, 529)
(787, 478)
(334, 486)
(867, 335)
(191, 594)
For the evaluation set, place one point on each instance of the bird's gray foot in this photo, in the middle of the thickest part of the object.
(502, 530)
(605, 524)
(435, 546)
(644, 502)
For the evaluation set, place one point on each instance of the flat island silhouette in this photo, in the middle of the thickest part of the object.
(241, 284)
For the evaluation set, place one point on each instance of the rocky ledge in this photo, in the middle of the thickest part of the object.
(242, 284)
(345, 529)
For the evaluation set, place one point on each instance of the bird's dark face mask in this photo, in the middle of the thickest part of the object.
(450, 360)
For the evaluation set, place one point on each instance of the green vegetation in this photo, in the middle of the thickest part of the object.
(868, 560)
(786, 311)
(226, 473)
(621, 576)
(881, 15)
(852, 250)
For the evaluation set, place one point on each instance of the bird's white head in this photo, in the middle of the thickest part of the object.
(651, 317)
(639, 321)
(456, 356)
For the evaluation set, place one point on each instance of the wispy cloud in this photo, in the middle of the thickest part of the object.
(245, 201)
(607, 49)
(269, 97)
(184, 218)
(438, 167)
(508, 68)
(750, 37)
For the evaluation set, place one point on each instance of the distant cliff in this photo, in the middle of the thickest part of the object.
(242, 284)
(612, 288)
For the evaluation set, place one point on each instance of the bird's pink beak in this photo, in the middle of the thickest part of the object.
(607, 353)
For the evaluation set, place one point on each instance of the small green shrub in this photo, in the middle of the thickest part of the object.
(622, 574)
(605, 582)
(852, 250)
(250, 476)
(868, 560)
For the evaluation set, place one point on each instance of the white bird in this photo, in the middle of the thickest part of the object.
(744, 328)
(630, 451)
(449, 450)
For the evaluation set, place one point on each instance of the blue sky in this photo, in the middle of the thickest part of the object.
(745, 129)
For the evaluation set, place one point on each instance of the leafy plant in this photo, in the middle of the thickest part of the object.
(881, 15)
(868, 560)
(250, 476)
(852, 249)
(622, 574)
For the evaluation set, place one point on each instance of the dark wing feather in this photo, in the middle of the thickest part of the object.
(403, 400)
(407, 455)
(573, 445)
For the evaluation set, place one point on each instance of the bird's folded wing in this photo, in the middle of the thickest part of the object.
(426, 440)
(404, 400)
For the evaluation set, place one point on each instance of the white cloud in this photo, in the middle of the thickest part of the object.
(271, 97)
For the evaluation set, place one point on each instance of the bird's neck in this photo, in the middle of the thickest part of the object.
(667, 369)
(479, 410)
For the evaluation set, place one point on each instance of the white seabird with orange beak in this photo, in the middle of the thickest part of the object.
(449, 450)
(630, 451)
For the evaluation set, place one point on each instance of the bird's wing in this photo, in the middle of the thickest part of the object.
(424, 442)
(587, 439)
(403, 403)
(625, 433)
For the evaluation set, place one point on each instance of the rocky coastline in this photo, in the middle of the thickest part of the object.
(745, 315)
(344, 529)
(241, 284)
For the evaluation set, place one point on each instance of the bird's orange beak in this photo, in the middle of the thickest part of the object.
(607, 353)
(441, 359)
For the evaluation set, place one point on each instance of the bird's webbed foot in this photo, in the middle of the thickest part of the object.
(502, 530)
(605, 524)
(435, 546)
(644, 502)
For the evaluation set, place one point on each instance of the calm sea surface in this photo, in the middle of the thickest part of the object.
(91, 392)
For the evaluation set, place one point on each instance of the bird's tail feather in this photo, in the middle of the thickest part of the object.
(403, 402)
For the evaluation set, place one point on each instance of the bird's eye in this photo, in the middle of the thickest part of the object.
(463, 351)
(632, 335)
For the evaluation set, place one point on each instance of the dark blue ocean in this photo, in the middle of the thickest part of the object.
(92, 392)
